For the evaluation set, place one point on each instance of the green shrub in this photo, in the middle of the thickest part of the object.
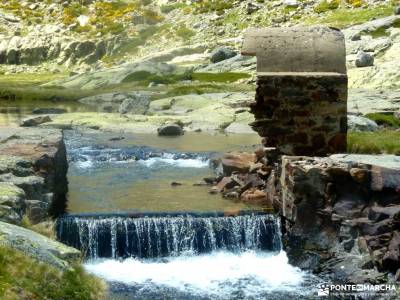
(206, 6)
(73, 11)
(184, 32)
(22, 277)
(326, 5)
(167, 8)
(385, 120)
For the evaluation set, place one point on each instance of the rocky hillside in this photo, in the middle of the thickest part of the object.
(80, 36)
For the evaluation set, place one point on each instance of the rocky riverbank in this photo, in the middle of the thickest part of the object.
(33, 170)
(340, 213)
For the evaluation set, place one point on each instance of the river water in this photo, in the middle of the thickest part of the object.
(175, 255)
(171, 257)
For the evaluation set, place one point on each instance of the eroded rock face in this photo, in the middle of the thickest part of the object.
(33, 168)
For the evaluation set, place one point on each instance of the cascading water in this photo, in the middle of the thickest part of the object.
(150, 237)
(167, 254)
(187, 256)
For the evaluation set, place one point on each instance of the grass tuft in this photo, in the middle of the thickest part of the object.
(378, 142)
(22, 277)
(384, 119)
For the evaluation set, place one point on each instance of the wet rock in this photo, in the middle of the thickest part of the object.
(117, 138)
(35, 121)
(357, 123)
(39, 111)
(257, 196)
(377, 213)
(364, 59)
(359, 175)
(237, 162)
(225, 183)
(174, 183)
(170, 130)
(375, 228)
(397, 10)
(221, 54)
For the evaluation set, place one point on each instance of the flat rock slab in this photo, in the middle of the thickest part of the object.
(38, 246)
(29, 142)
(385, 161)
(385, 169)
(368, 101)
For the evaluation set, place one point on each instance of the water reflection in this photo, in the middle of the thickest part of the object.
(12, 112)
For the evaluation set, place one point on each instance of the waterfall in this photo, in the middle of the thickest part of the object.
(160, 236)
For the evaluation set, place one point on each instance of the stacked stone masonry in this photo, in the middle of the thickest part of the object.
(302, 115)
(301, 99)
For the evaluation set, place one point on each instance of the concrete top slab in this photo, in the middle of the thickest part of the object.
(297, 49)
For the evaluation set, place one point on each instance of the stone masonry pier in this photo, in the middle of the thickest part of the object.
(301, 97)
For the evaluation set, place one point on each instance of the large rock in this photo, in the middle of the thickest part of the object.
(238, 63)
(364, 59)
(357, 123)
(35, 121)
(135, 104)
(237, 162)
(38, 246)
(128, 72)
(123, 102)
(170, 130)
(221, 54)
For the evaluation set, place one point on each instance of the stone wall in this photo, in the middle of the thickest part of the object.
(33, 174)
(303, 114)
(342, 217)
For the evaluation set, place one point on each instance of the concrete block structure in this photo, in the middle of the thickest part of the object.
(301, 97)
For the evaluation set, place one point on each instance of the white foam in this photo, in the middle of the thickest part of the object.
(219, 273)
(180, 163)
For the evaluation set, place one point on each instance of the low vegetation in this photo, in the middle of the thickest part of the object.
(326, 5)
(43, 228)
(386, 141)
(203, 88)
(24, 278)
(219, 77)
(218, 6)
(343, 17)
(387, 120)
